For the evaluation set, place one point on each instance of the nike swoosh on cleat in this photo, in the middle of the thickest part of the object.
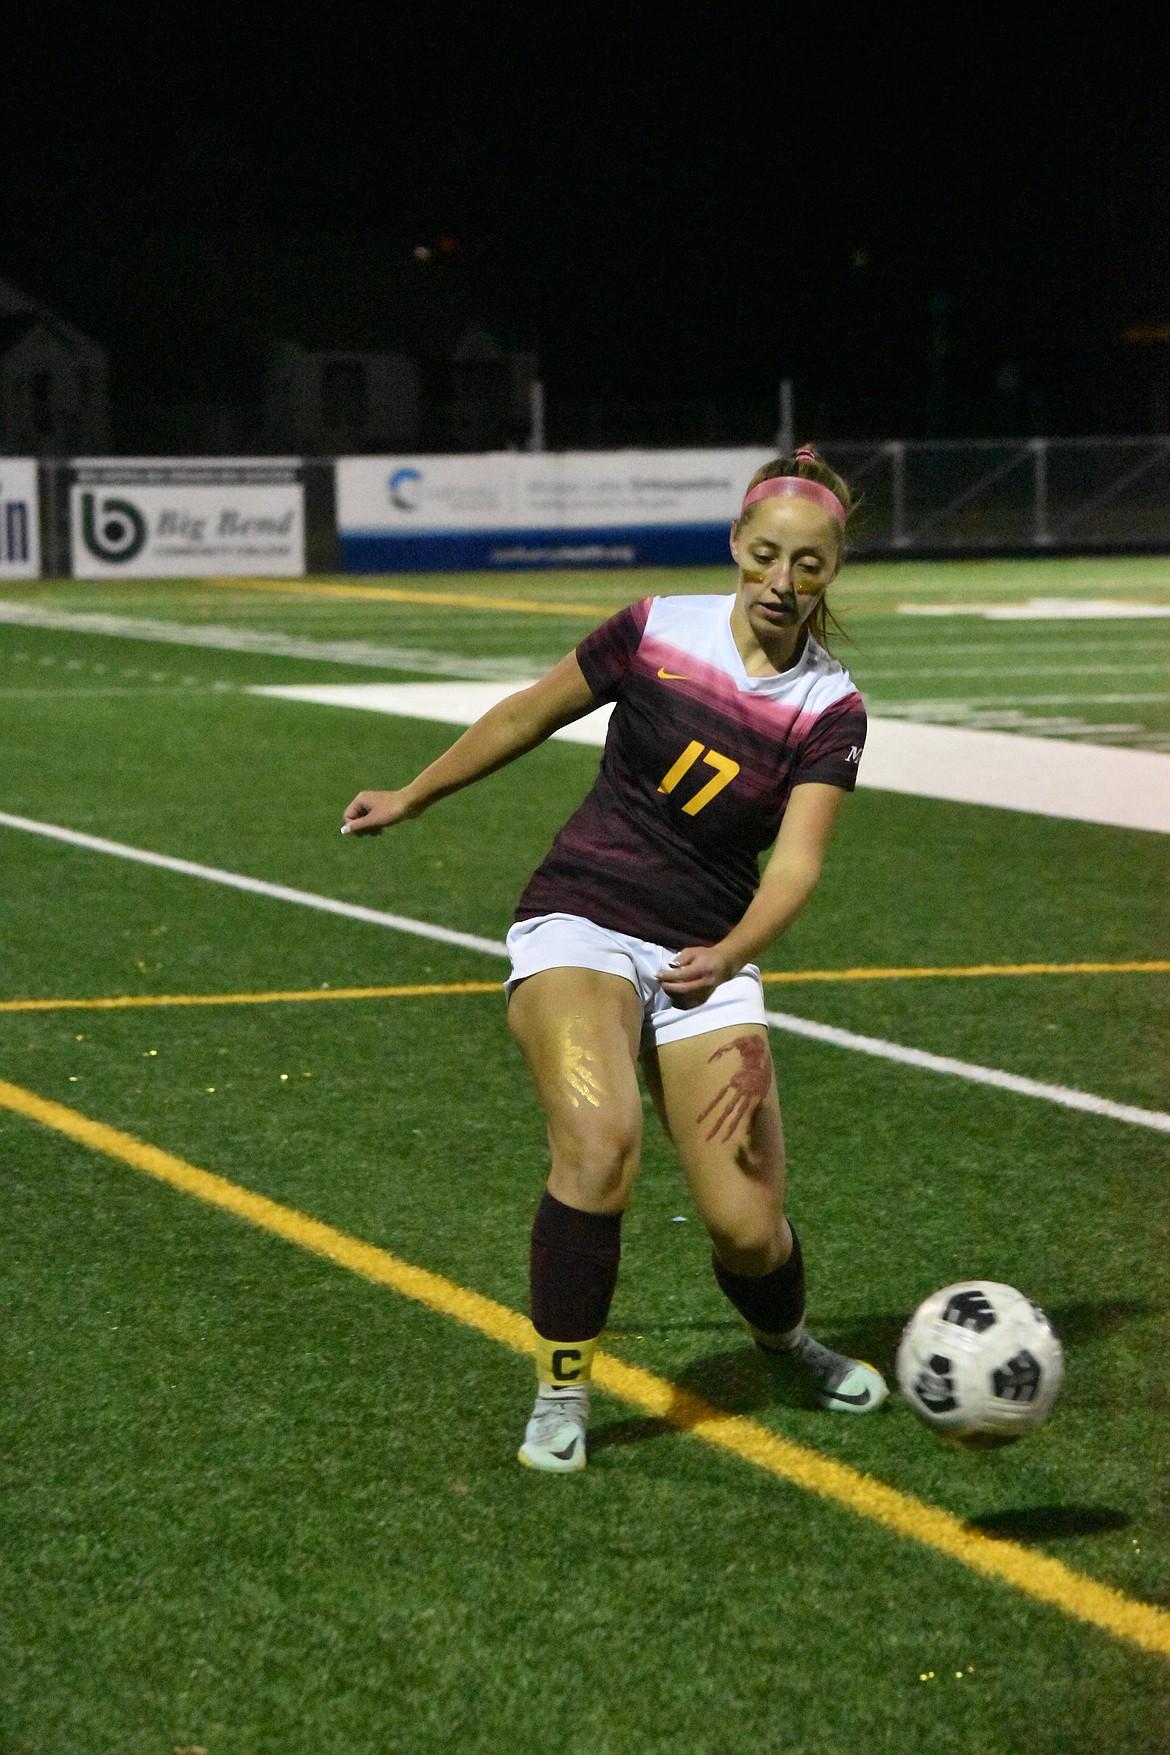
(564, 1455)
(855, 1401)
(673, 676)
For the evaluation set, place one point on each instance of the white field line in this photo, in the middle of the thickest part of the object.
(1080, 782)
(234, 880)
(82, 694)
(267, 642)
(273, 643)
(915, 643)
(1040, 609)
(1124, 789)
(1049, 725)
(378, 656)
(1063, 1095)
(913, 671)
(973, 703)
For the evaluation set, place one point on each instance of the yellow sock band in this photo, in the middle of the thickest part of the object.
(564, 1363)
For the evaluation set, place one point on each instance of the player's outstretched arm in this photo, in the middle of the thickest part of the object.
(789, 879)
(505, 732)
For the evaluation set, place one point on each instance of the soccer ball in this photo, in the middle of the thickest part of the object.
(980, 1363)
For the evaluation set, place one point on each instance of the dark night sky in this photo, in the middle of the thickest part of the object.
(889, 205)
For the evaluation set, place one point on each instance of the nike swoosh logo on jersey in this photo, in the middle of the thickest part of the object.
(672, 676)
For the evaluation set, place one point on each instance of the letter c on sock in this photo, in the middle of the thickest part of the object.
(560, 1359)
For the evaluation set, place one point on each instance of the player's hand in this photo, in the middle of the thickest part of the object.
(371, 812)
(693, 975)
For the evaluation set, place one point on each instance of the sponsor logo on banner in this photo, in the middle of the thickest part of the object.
(427, 493)
(186, 518)
(516, 509)
(20, 533)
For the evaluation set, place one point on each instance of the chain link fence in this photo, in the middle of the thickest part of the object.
(995, 495)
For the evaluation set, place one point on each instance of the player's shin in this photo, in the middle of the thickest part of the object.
(771, 1304)
(574, 1271)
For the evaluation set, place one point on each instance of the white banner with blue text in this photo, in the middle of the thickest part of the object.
(517, 510)
(20, 521)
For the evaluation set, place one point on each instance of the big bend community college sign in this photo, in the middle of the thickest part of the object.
(185, 518)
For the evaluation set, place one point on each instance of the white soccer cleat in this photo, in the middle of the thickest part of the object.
(843, 1385)
(859, 1390)
(554, 1439)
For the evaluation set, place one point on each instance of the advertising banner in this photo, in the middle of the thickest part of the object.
(185, 518)
(512, 510)
(20, 522)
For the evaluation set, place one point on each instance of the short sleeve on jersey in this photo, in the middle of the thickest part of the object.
(606, 654)
(832, 750)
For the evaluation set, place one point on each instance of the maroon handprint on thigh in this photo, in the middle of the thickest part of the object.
(745, 1090)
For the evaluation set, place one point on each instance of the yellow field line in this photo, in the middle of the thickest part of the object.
(401, 594)
(1036, 1575)
(121, 1001)
(784, 975)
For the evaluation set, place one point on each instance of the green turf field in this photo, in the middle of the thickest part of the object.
(257, 1501)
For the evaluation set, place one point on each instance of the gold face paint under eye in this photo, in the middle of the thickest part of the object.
(577, 1065)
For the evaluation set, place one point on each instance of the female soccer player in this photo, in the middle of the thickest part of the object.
(732, 727)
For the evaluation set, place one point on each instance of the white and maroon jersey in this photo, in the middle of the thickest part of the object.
(699, 763)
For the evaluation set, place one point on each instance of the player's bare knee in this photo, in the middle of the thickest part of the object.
(595, 1187)
(747, 1242)
(599, 1162)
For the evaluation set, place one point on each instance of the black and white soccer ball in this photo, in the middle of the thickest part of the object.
(980, 1363)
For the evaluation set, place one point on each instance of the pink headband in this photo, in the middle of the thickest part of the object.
(798, 487)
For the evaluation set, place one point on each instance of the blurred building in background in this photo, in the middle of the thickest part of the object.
(321, 402)
(54, 382)
(325, 401)
(489, 404)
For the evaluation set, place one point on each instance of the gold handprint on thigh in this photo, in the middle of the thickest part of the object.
(577, 1066)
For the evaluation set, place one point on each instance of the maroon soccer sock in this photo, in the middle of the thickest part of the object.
(772, 1303)
(574, 1268)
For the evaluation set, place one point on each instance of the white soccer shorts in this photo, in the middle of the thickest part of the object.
(566, 941)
